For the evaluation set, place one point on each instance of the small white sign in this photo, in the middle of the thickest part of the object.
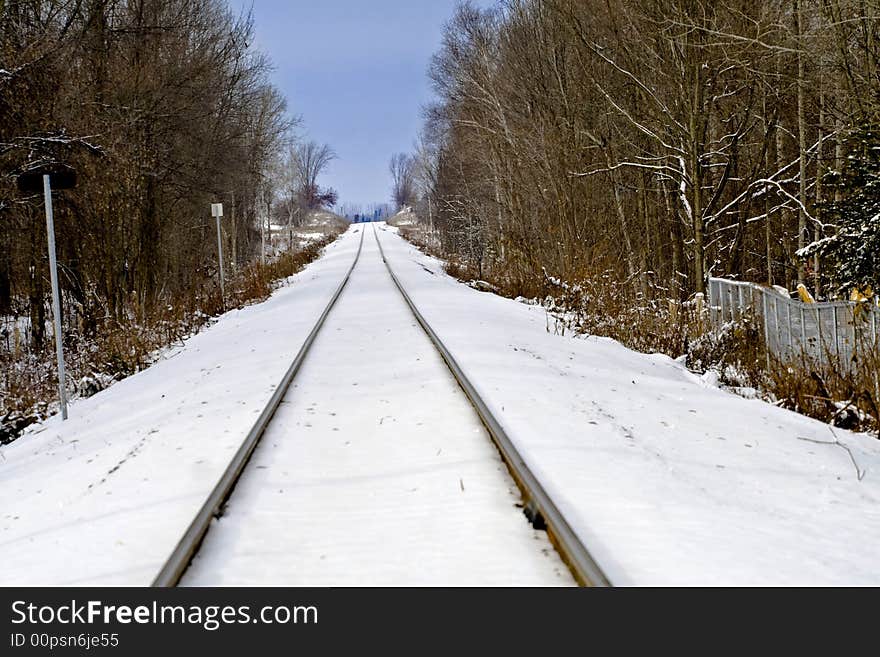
(216, 209)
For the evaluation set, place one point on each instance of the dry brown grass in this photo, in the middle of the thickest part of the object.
(846, 395)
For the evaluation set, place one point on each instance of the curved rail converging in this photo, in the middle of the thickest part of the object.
(188, 545)
(539, 507)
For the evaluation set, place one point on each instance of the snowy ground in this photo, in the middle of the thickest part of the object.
(104, 497)
(404, 217)
(317, 225)
(375, 470)
(667, 481)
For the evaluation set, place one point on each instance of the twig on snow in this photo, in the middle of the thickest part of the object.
(860, 474)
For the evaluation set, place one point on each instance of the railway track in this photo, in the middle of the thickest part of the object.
(537, 504)
(189, 543)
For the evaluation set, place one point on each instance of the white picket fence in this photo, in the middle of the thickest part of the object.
(792, 328)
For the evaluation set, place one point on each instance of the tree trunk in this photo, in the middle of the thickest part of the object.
(696, 181)
(802, 138)
(817, 233)
(234, 231)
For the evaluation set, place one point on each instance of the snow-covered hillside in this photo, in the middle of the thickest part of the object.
(316, 225)
(404, 217)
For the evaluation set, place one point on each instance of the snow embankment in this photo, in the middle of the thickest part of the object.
(666, 479)
(104, 497)
(404, 217)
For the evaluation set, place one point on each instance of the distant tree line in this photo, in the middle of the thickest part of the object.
(662, 140)
(161, 107)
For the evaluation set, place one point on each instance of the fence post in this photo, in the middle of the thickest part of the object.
(836, 336)
(766, 319)
(776, 320)
(711, 297)
(803, 331)
(721, 301)
(875, 348)
(790, 336)
(714, 301)
(854, 344)
(874, 325)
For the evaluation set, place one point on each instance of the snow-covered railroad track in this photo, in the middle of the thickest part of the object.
(376, 470)
(538, 505)
(188, 545)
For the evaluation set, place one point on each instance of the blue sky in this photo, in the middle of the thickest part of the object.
(356, 71)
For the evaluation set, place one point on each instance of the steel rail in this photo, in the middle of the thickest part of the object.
(189, 544)
(538, 505)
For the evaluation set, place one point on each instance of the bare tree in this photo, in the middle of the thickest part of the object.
(309, 161)
(665, 140)
(403, 179)
(161, 107)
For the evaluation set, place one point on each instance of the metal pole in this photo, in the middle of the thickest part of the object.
(220, 252)
(262, 229)
(56, 296)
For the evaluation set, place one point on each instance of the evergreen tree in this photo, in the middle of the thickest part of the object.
(853, 251)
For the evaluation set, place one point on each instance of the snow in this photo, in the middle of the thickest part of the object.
(104, 498)
(667, 479)
(375, 470)
(305, 238)
(317, 225)
(404, 217)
